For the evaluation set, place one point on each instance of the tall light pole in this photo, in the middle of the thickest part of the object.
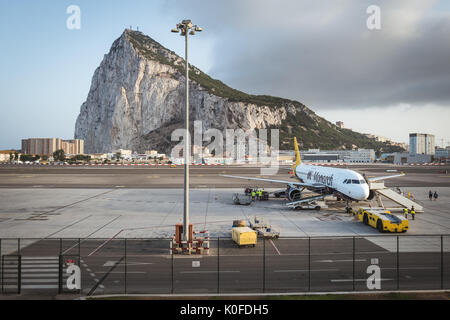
(185, 28)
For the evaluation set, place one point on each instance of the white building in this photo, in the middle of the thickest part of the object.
(421, 143)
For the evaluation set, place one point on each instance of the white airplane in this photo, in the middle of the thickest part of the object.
(343, 183)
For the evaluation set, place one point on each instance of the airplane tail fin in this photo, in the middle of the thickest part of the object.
(298, 159)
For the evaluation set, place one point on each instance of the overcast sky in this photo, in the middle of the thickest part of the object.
(388, 82)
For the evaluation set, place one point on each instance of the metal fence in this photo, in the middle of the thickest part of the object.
(145, 266)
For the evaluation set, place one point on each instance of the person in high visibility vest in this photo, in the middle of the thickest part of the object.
(253, 194)
(405, 212)
(413, 213)
(259, 192)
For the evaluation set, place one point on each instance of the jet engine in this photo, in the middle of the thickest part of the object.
(293, 194)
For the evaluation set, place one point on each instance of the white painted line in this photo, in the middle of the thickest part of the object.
(92, 275)
(412, 268)
(356, 280)
(214, 271)
(306, 270)
(88, 270)
(349, 260)
(112, 263)
(32, 270)
(37, 275)
(121, 272)
(39, 280)
(43, 286)
(39, 262)
(40, 258)
(275, 247)
(39, 266)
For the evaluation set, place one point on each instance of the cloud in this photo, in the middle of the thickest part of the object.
(322, 54)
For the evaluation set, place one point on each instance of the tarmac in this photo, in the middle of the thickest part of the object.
(94, 221)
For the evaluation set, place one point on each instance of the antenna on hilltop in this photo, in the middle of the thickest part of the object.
(137, 28)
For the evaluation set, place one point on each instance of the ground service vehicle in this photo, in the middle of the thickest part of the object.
(383, 220)
(244, 236)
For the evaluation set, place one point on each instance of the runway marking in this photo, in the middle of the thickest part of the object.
(213, 271)
(70, 225)
(276, 249)
(307, 270)
(111, 263)
(356, 280)
(349, 260)
(38, 265)
(32, 270)
(104, 243)
(86, 238)
(41, 258)
(412, 268)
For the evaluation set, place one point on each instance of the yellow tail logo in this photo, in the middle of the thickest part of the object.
(298, 159)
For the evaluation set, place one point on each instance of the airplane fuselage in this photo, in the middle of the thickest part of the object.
(346, 182)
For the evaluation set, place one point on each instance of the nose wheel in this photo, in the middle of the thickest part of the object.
(348, 209)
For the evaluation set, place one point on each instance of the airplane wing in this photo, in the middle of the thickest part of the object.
(294, 183)
(385, 177)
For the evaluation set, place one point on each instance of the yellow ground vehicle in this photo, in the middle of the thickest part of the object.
(383, 220)
(244, 236)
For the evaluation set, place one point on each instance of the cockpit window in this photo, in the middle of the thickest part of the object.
(355, 181)
(345, 181)
(362, 181)
(349, 181)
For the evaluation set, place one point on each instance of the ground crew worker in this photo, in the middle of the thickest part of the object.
(259, 192)
(430, 195)
(413, 213)
(405, 212)
(253, 194)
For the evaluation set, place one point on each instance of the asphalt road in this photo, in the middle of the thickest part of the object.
(200, 177)
(282, 265)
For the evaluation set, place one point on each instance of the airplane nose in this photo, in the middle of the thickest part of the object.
(365, 193)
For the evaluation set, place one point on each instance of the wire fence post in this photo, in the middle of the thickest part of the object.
(218, 264)
(79, 250)
(353, 264)
(125, 289)
(264, 265)
(442, 262)
(1, 265)
(19, 275)
(18, 246)
(309, 263)
(171, 269)
(398, 263)
(60, 273)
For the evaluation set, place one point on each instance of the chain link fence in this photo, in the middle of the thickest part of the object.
(285, 265)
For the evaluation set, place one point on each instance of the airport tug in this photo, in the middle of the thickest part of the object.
(383, 220)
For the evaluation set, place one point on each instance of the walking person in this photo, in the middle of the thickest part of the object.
(413, 213)
(405, 212)
(435, 195)
(430, 195)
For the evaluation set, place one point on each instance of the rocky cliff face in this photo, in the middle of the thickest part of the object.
(136, 99)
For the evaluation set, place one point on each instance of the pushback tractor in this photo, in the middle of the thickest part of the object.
(383, 220)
